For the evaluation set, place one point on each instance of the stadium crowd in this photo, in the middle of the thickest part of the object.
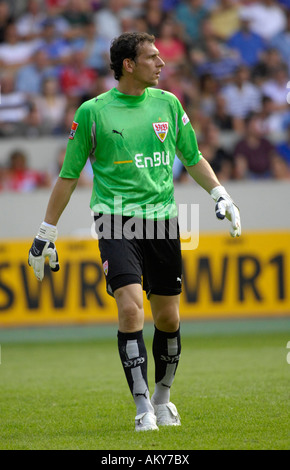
(227, 61)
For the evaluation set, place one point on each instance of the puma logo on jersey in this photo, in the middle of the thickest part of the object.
(117, 132)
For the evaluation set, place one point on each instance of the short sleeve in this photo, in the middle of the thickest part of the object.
(186, 145)
(79, 144)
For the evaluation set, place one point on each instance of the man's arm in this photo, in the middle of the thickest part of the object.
(204, 175)
(60, 196)
(43, 245)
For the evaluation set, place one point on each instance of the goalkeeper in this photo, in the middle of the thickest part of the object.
(131, 135)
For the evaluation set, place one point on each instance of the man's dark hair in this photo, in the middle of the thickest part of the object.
(126, 47)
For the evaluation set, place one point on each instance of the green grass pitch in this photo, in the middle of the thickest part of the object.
(65, 389)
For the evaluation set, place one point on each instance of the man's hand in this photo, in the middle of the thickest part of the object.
(225, 207)
(43, 247)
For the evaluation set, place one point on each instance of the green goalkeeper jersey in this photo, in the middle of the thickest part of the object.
(131, 142)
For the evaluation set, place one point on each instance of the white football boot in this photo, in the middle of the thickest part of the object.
(146, 422)
(166, 414)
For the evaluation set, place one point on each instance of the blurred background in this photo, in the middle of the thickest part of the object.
(228, 62)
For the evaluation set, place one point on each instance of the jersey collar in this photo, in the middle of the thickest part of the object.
(130, 100)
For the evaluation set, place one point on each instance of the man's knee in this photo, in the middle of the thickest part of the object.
(130, 308)
(167, 320)
(166, 312)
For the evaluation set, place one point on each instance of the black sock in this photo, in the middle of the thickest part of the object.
(166, 352)
(133, 355)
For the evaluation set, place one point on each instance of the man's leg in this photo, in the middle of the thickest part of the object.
(166, 353)
(122, 259)
(132, 350)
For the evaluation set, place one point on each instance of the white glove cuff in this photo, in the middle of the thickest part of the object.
(47, 232)
(217, 192)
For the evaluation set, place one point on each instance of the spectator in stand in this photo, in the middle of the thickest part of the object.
(253, 154)
(281, 161)
(20, 178)
(96, 49)
(127, 21)
(31, 126)
(280, 170)
(190, 14)
(180, 83)
(285, 4)
(210, 146)
(171, 48)
(29, 78)
(221, 117)
(61, 25)
(248, 44)
(51, 106)
(270, 61)
(77, 12)
(271, 121)
(57, 48)
(281, 42)
(76, 79)
(56, 7)
(140, 24)
(208, 88)
(224, 19)
(169, 5)
(15, 53)
(78, 18)
(276, 88)
(154, 16)
(283, 148)
(108, 19)
(29, 25)
(219, 61)
(5, 19)
(136, 7)
(198, 52)
(267, 18)
(14, 106)
(242, 97)
(68, 119)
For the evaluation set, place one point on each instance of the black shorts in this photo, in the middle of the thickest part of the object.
(149, 255)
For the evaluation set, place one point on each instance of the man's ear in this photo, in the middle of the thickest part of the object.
(128, 65)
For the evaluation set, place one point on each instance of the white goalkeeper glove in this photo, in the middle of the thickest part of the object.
(43, 247)
(225, 207)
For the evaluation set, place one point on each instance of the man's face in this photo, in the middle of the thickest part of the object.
(147, 65)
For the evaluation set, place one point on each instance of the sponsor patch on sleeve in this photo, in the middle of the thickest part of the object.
(185, 119)
(73, 130)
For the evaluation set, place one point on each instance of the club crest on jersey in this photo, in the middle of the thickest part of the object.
(73, 130)
(161, 129)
